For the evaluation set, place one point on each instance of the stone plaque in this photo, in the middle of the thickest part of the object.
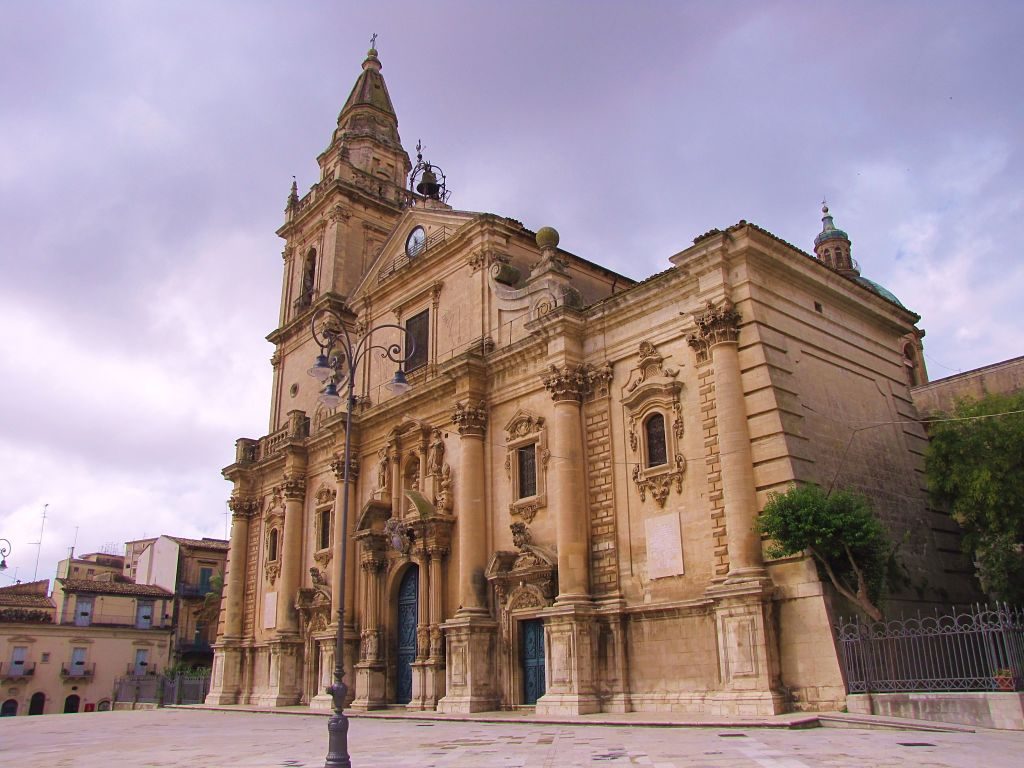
(664, 546)
(270, 610)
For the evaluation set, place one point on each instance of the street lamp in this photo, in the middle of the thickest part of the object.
(337, 362)
(4, 552)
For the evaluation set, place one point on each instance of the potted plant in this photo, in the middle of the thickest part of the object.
(1004, 679)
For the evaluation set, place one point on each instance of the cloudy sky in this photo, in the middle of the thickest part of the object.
(146, 150)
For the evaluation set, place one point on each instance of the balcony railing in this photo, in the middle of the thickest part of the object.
(140, 669)
(16, 671)
(76, 669)
(194, 590)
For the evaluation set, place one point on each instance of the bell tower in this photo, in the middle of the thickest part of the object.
(335, 230)
(832, 246)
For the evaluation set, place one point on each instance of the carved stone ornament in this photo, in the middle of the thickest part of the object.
(293, 488)
(320, 583)
(527, 511)
(399, 535)
(435, 453)
(520, 535)
(338, 468)
(274, 507)
(524, 579)
(444, 498)
(272, 570)
(569, 382)
(659, 483)
(325, 495)
(243, 507)
(523, 425)
(323, 557)
(369, 644)
(436, 642)
(383, 469)
(718, 325)
(470, 419)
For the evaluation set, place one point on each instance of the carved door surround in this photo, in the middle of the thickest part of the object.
(388, 543)
(525, 582)
(653, 389)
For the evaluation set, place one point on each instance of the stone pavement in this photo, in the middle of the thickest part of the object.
(175, 738)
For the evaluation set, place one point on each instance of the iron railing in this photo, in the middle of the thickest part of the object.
(182, 688)
(980, 649)
(433, 241)
(77, 669)
(14, 670)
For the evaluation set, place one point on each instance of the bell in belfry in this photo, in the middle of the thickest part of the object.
(428, 186)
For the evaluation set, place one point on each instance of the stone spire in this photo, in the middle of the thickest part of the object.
(368, 110)
(832, 246)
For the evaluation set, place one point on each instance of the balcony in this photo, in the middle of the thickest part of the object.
(140, 670)
(199, 646)
(16, 671)
(194, 590)
(77, 670)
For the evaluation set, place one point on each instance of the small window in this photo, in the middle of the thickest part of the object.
(526, 463)
(205, 574)
(324, 529)
(272, 545)
(654, 429)
(418, 328)
(46, 657)
(818, 307)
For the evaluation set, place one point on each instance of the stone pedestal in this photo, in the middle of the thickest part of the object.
(283, 685)
(371, 686)
(471, 654)
(226, 682)
(322, 700)
(748, 655)
(569, 662)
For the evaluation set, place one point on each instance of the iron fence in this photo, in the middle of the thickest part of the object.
(980, 649)
(182, 688)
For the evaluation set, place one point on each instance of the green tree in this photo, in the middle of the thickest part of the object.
(975, 468)
(842, 534)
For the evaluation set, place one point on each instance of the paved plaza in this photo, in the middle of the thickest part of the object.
(210, 739)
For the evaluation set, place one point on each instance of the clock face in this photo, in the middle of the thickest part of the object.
(415, 242)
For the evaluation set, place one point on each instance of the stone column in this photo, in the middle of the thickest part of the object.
(370, 688)
(748, 655)
(294, 491)
(242, 510)
(471, 421)
(471, 635)
(719, 331)
(226, 680)
(345, 538)
(568, 386)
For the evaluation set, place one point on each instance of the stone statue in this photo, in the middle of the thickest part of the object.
(382, 468)
(435, 454)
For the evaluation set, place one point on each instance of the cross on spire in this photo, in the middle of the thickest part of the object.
(373, 40)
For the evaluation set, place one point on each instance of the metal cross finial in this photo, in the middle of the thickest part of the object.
(373, 40)
(419, 149)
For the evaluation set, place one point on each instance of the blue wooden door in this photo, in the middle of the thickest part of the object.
(531, 654)
(408, 612)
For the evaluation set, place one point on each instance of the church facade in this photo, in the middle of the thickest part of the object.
(560, 513)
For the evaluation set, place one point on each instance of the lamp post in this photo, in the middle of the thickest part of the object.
(5, 550)
(339, 360)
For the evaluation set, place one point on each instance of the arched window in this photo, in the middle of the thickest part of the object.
(37, 704)
(103, 706)
(272, 545)
(910, 364)
(71, 703)
(305, 297)
(654, 431)
(9, 708)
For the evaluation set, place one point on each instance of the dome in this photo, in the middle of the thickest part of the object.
(881, 290)
(829, 230)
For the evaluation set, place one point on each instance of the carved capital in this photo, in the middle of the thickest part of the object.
(718, 325)
(470, 419)
(243, 507)
(339, 213)
(293, 488)
(569, 382)
(338, 468)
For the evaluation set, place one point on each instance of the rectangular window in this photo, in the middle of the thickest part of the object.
(144, 615)
(418, 327)
(526, 461)
(83, 611)
(324, 533)
(18, 655)
(141, 661)
(205, 574)
(45, 657)
(77, 667)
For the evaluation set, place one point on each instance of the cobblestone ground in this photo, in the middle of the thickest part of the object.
(176, 738)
